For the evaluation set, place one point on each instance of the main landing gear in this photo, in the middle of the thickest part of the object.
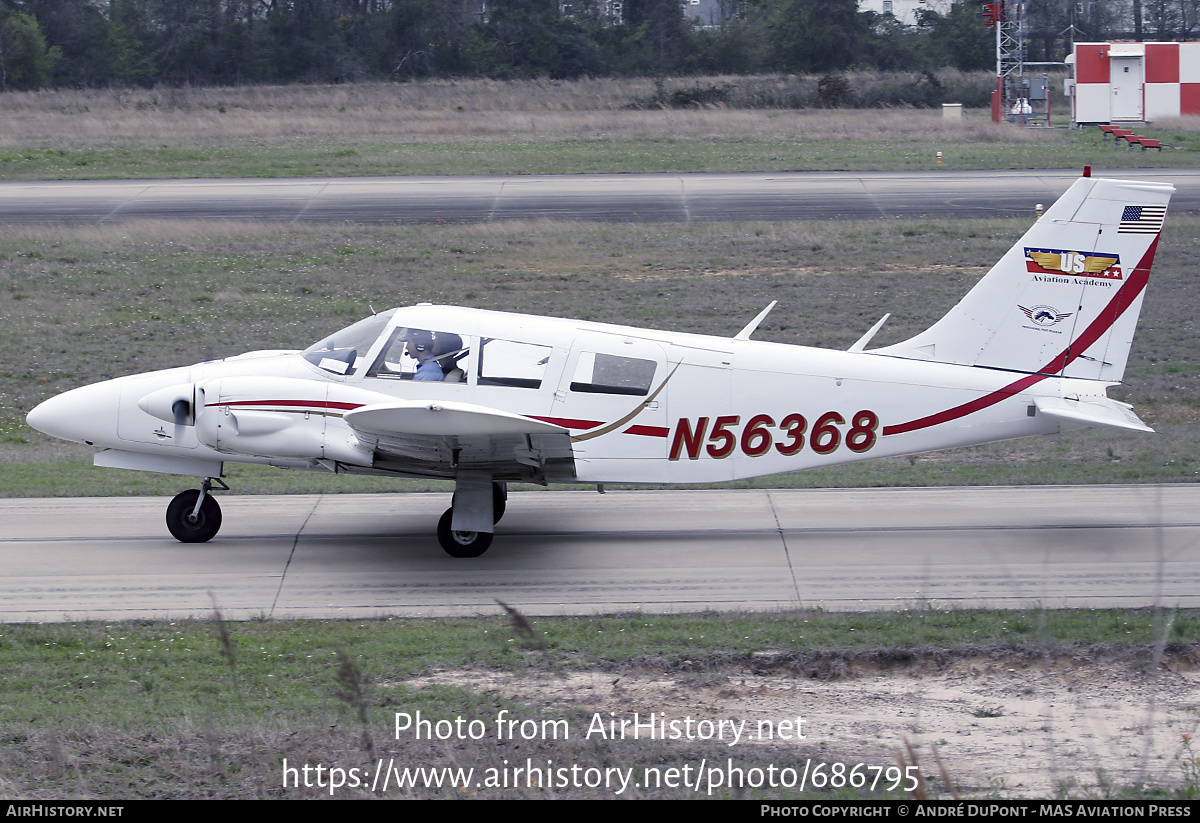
(470, 543)
(193, 516)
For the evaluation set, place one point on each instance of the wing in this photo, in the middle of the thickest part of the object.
(438, 439)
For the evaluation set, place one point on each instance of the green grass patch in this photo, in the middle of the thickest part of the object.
(79, 478)
(320, 158)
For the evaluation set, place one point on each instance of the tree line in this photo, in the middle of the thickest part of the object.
(101, 43)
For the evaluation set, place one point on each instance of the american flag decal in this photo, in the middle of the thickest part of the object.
(1142, 219)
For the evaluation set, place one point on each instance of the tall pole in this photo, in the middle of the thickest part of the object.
(1010, 53)
(999, 66)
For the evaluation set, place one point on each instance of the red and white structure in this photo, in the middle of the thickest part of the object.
(1133, 82)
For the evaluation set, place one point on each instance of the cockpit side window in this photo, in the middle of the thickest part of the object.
(343, 352)
(422, 355)
(509, 363)
(391, 359)
(599, 373)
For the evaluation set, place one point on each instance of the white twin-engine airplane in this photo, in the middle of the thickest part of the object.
(487, 398)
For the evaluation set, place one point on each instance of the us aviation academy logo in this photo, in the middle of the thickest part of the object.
(1075, 263)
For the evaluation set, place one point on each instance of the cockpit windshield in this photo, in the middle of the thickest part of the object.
(343, 352)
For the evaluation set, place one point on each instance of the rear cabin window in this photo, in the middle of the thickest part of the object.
(600, 373)
(509, 363)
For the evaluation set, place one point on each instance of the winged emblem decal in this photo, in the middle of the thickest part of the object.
(1056, 261)
(1045, 315)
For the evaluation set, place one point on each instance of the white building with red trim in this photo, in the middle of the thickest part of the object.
(1133, 82)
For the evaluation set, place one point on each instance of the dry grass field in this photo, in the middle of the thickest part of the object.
(451, 111)
(536, 126)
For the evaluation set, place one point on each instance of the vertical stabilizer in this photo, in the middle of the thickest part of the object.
(1066, 298)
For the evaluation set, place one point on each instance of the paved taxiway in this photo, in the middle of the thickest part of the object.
(619, 197)
(579, 552)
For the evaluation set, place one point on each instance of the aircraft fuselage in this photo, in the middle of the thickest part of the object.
(706, 409)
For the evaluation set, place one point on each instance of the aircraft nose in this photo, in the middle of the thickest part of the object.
(80, 415)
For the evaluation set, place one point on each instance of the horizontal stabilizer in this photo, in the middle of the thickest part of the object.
(443, 419)
(1095, 411)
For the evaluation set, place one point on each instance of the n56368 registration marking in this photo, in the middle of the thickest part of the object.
(761, 433)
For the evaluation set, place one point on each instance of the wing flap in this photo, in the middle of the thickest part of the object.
(1095, 411)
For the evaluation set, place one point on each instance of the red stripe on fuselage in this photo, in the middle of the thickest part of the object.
(319, 404)
(648, 431)
(1122, 300)
(574, 423)
(567, 422)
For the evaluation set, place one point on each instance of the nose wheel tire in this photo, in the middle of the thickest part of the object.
(188, 529)
(458, 544)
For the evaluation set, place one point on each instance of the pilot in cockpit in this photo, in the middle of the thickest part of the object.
(420, 348)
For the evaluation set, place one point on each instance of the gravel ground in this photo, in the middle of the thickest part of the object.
(999, 727)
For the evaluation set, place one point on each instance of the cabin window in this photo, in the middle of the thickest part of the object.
(509, 363)
(599, 373)
(342, 352)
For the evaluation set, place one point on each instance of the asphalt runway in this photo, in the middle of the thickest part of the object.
(577, 552)
(627, 197)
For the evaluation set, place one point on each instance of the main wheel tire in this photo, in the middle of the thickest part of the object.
(183, 527)
(499, 501)
(461, 544)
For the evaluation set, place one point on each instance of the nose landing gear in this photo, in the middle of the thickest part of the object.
(194, 516)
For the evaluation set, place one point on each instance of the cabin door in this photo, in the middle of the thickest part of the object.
(612, 398)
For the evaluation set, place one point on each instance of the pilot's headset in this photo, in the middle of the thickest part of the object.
(421, 340)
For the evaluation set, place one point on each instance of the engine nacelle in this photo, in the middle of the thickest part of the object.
(281, 417)
(174, 404)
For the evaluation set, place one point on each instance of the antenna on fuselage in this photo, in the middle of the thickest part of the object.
(862, 342)
(745, 333)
